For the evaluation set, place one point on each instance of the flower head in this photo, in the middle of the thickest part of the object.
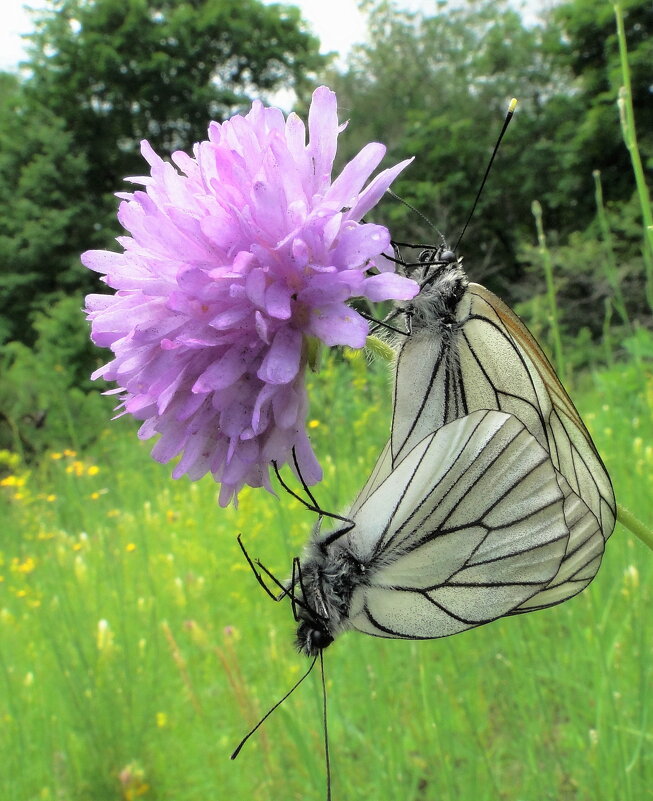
(237, 255)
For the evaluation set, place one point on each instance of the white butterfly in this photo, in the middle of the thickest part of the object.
(489, 499)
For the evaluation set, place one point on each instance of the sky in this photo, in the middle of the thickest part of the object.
(325, 18)
(338, 23)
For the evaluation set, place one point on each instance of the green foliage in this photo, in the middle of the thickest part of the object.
(438, 86)
(46, 398)
(593, 331)
(441, 96)
(47, 212)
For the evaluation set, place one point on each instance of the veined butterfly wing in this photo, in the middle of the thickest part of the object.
(466, 528)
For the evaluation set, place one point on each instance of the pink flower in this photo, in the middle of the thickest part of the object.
(236, 256)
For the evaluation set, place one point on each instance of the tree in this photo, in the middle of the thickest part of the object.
(438, 87)
(105, 74)
(120, 71)
(588, 44)
(45, 207)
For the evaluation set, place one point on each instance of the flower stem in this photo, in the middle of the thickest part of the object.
(635, 526)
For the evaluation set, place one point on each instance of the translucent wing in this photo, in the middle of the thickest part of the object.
(465, 529)
(582, 557)
(484, 357)
(381, 471)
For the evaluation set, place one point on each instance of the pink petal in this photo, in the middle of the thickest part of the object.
(225, 371)
(373, 193)
(277, 301)
(281, 362)
(389, 286)
(338, 324)
(359, 243)
(348, 184)
(323, 134)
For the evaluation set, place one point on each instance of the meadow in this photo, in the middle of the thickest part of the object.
(136, 648)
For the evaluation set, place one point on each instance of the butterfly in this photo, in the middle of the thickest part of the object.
(490, 497)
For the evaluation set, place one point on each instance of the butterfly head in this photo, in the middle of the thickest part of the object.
(312, 636)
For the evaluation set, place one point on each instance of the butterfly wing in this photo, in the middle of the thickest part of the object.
(465, 529)
(582, 557)
(567, 439)
(485, 358)
(380, 472)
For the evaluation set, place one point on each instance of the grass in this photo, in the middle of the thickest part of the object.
(137, 648)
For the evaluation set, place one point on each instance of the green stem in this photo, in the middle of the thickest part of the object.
(635, 526)
(627, 118)
(609, 261)
(547, 264)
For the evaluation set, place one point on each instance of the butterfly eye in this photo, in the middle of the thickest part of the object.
(447, 256)
(321, 638)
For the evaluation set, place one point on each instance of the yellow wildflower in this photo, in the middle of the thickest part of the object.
(27, 566)
(161, 719)
(9, 459)
(131, 546)
(93, 470)
(13, 481)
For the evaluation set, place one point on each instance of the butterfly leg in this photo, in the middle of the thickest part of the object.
(382, 323)
(313, 506)
(259, 578)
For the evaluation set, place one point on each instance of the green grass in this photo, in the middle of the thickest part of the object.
(150, 703)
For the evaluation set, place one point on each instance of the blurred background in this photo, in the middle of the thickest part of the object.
(135, 648)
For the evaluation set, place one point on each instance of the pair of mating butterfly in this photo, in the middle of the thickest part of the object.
(489, 499)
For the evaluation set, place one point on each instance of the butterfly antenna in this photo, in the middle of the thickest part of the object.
(417, 211)
(506, 122)
(326, 730)
(270, 711)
